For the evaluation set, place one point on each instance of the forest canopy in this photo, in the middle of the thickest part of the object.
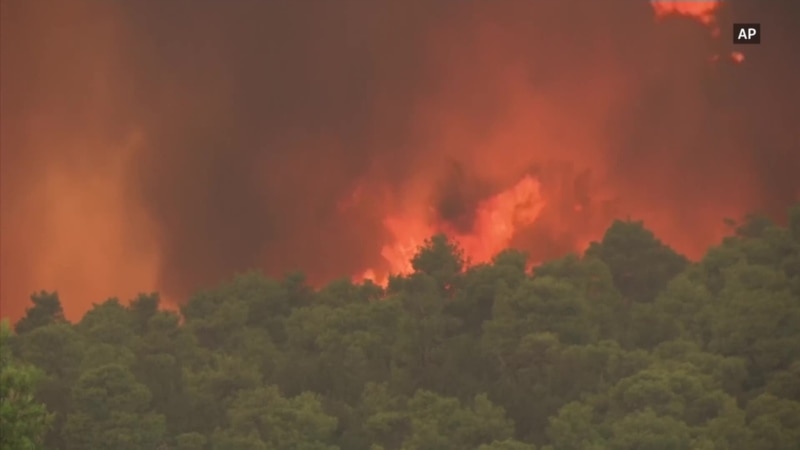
(628, 346)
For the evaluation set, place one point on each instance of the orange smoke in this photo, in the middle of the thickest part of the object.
(68, 222)
(164, 149)
(512, 212)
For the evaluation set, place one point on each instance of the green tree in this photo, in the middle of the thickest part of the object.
(593, 279)
(682, 310)
(419, 353)
(629, 346)
(440, 422)
(442, 260)
(507, 444)
(575, 428)
(46, 310)
(262, 418)
(640, 263)
(159, 363)
(57, 350)
(775, 423)
(212, 386)
(794, 222)
(111, 412)
(473, 303)
(428, 420)
(645, 430)
(143, 308)
(24, 421)
(756, 319)
(676, 390)
(191, 441)
(785, 383)
(336, 351)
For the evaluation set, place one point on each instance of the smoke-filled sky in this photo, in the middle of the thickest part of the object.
(150, 145)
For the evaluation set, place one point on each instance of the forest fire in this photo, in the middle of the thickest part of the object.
(153, 167)
(496, 221)
(511, 212)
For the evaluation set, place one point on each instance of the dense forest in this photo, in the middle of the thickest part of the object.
(629, 346)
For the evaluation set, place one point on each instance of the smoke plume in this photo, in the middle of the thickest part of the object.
(167, 145)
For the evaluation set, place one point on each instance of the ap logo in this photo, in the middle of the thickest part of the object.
(747, 33)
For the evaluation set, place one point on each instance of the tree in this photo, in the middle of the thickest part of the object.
(24, 421)
(57, 350)
(575, 428)
(640, 263)
(626, 347)
(757, 319)
(593, 279)
(775, 423)
(794, 222)
(143, 308)
(442, 260)
(507, 444)
(428, 420)
(473, 303)
(262, 418)
(645, 430)
(111, 412)
(439, 422)
(336, 351)
(212, 386)
(46, 310)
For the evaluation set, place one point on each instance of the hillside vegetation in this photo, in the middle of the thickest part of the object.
(628, 347)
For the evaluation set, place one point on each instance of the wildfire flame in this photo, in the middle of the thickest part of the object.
(497, 220)
(502, 216)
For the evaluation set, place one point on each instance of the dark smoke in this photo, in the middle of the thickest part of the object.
(259, 117)
(459, 195)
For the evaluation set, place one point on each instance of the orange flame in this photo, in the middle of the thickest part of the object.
(497, 220)
(501, 217)
(702, 10)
